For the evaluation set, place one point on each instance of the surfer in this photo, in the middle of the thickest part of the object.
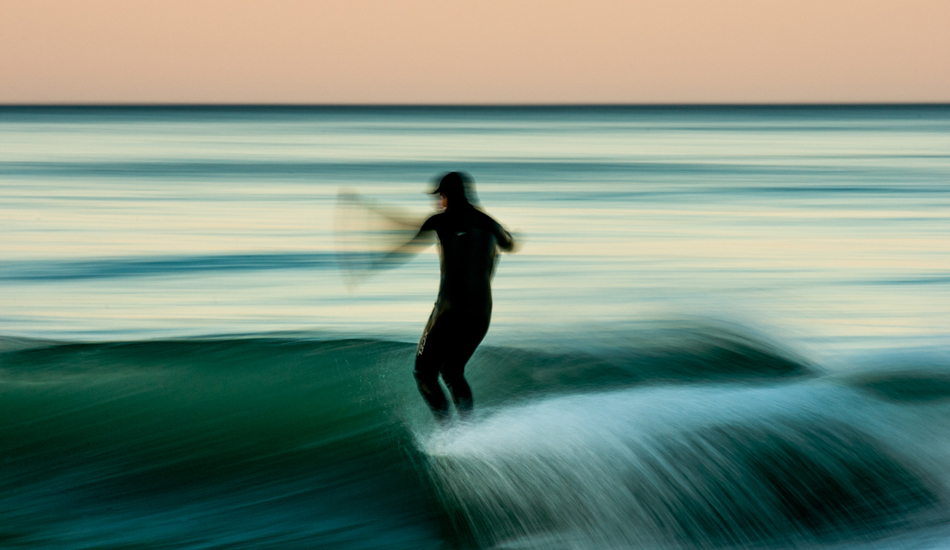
(468, 242)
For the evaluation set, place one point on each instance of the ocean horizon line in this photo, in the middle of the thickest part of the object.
(467, 106)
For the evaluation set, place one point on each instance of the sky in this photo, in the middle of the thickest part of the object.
(474, 52)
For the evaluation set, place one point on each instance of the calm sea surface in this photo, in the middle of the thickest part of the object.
(826, 227)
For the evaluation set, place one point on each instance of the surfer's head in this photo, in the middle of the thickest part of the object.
(456, 187)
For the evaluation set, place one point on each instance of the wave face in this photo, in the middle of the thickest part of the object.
(246, 442)
(263, 442)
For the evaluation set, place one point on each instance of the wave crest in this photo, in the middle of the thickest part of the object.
(597, 470)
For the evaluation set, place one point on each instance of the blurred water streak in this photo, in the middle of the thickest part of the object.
(827, 226)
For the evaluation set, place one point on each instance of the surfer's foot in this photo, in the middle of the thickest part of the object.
(465, 413)
(444, 418)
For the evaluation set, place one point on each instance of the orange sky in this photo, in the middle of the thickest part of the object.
(478, 51)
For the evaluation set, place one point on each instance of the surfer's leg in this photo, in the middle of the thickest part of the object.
(434, 396)
(453, 371)
(461, 392)
(429, 359)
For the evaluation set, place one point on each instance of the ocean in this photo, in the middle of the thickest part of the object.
(724, 327)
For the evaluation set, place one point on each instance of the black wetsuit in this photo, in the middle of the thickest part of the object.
(469, 240)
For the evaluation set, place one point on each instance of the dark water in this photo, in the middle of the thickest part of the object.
(704, 439)
(727, 328)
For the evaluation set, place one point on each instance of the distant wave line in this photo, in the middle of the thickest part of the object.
(934, 280)
(57, 270)
(509, 170)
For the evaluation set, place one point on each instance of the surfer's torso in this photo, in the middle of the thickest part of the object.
(469, 240)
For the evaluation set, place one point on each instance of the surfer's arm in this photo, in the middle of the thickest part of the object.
(408, 250)
(505, 241)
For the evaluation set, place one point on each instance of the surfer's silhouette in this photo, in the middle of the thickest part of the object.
(468, 242)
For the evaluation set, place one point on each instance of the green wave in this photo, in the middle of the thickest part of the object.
(302, 442)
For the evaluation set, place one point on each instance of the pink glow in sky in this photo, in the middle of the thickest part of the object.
(484, 51)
